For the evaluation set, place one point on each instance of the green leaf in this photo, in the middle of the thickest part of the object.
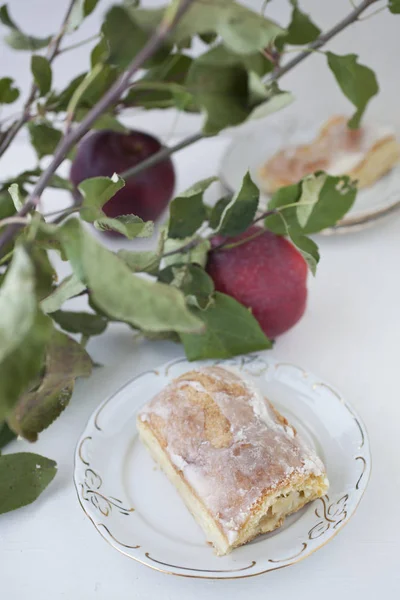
(18, 302)
(66, 360)
(21, 366)
(45, 275)
(267, 99)
(23, 477)
(187, 211)
(81, 10)
(241, 29)
(44, 138)
(125, 38)
(289, 194)
(307, 248)
(241, 210)
(105, 121)
(96, 191)
(194, 282)
(60, 183)
(311, 187)
(357, 82)
(71, 286)
(7, 208)
(130, 226)
(335, 198)
(147, 261)
(208, 38)
(162, 85)
(301, 29)
(141, 262)
(59, 101)
(394, 6)
(41, 71)
(221, 56)
(80, 322)
(6, 435)
(15, 195)
(84, 86)
(217, 210)
(100, 52)
(221, 92)
(8, 93)
(16, 38)
(117, 292)
(231, 329)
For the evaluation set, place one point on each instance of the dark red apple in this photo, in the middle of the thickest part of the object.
(106, 152)
(267, 274)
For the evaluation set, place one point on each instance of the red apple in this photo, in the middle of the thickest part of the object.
(106, 152)
(267, 274)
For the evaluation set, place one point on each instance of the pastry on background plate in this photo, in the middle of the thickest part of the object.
(239, 466)
(365, 154)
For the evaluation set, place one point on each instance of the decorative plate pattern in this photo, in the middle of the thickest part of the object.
(135, 508)
(250, 150)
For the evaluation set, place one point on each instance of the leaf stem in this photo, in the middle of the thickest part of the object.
(110, 97)
(79, 44)
(321, 40)
(14, 220)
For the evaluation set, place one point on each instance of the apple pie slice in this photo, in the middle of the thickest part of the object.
(365, 154)
(236, 462)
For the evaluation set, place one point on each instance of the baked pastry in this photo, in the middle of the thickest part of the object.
(237, 463)
(365, 154)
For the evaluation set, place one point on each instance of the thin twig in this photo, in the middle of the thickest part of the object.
(321, 40)
(185, 247)
(52, 52)
(375, 12)
(161, 155)
(109, 98)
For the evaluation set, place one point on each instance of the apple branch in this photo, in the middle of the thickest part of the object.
(52, 52)
(322, 40)
(166, 26)
(274, 76)
(122, 84)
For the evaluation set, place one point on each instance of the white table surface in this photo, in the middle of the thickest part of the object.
(349, 336)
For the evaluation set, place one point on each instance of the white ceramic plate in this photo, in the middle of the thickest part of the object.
(135, 508)
(249, 151)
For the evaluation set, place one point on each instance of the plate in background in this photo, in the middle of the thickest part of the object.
(251, 150)
(137, 510)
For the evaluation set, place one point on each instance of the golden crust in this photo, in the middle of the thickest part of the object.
(237, 463)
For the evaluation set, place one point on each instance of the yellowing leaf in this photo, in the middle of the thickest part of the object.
(35, 410)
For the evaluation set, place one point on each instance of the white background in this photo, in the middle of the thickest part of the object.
(349, 336)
